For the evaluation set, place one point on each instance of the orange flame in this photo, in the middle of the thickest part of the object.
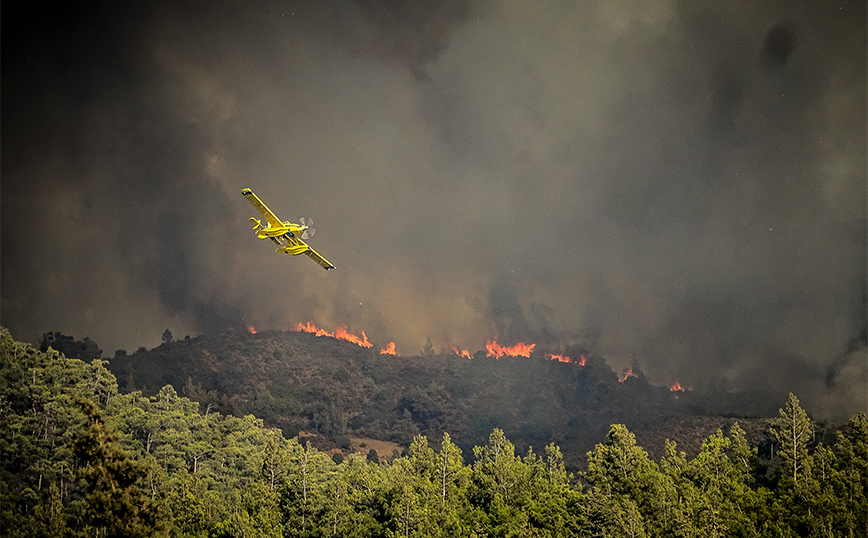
(251, 330)
(309, 327)
(519, 350)
(580, 360)
(341, 334)
(390, 349)
(676, 387)
(461, 353)
(628, 373)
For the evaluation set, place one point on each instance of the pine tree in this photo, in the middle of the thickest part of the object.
(114, 504)
(626, 485)
(500, 479)
(792, 430)
(451, 485)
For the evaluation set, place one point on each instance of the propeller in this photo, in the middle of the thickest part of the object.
(309, 229)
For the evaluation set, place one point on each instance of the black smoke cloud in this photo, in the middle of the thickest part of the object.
(680, 185)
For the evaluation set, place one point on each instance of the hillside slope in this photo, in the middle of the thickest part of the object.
(300, 382)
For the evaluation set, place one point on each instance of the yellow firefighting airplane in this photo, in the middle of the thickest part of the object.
(286, 235)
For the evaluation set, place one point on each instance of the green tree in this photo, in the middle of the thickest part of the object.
(187, 505)
(354, 502)
(275, 459)
(498, 478)
(410, 491)
(167, 336)
(451, 482)
(50, 518)
(792, 430)
(724, 498)
(498, 470)
(40, 422)
(840, 473)
(743, 457)
(114, 505)
(304, 492)
(625, 486)
(452, 475)
(675, 486)
(554, 508)
(250, 510)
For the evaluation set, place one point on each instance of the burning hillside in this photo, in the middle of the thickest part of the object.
(580, 360)
(518, 350)
(461, 353)
(270, 373)
(493, 349)
(340, 333)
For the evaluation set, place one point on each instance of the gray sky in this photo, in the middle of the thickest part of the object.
(678, 184)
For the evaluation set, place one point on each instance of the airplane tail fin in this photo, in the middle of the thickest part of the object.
(257, 224)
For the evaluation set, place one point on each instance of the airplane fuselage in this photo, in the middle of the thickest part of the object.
(289, 228)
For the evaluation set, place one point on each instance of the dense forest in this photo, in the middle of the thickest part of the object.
(81, 458)
(338, 390)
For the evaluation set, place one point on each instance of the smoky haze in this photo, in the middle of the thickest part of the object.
(678, 185)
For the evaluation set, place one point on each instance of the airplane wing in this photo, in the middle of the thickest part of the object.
(296, 244)
(262, 208)
(315, 256)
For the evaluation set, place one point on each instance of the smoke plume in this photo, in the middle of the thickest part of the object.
(679, 185)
